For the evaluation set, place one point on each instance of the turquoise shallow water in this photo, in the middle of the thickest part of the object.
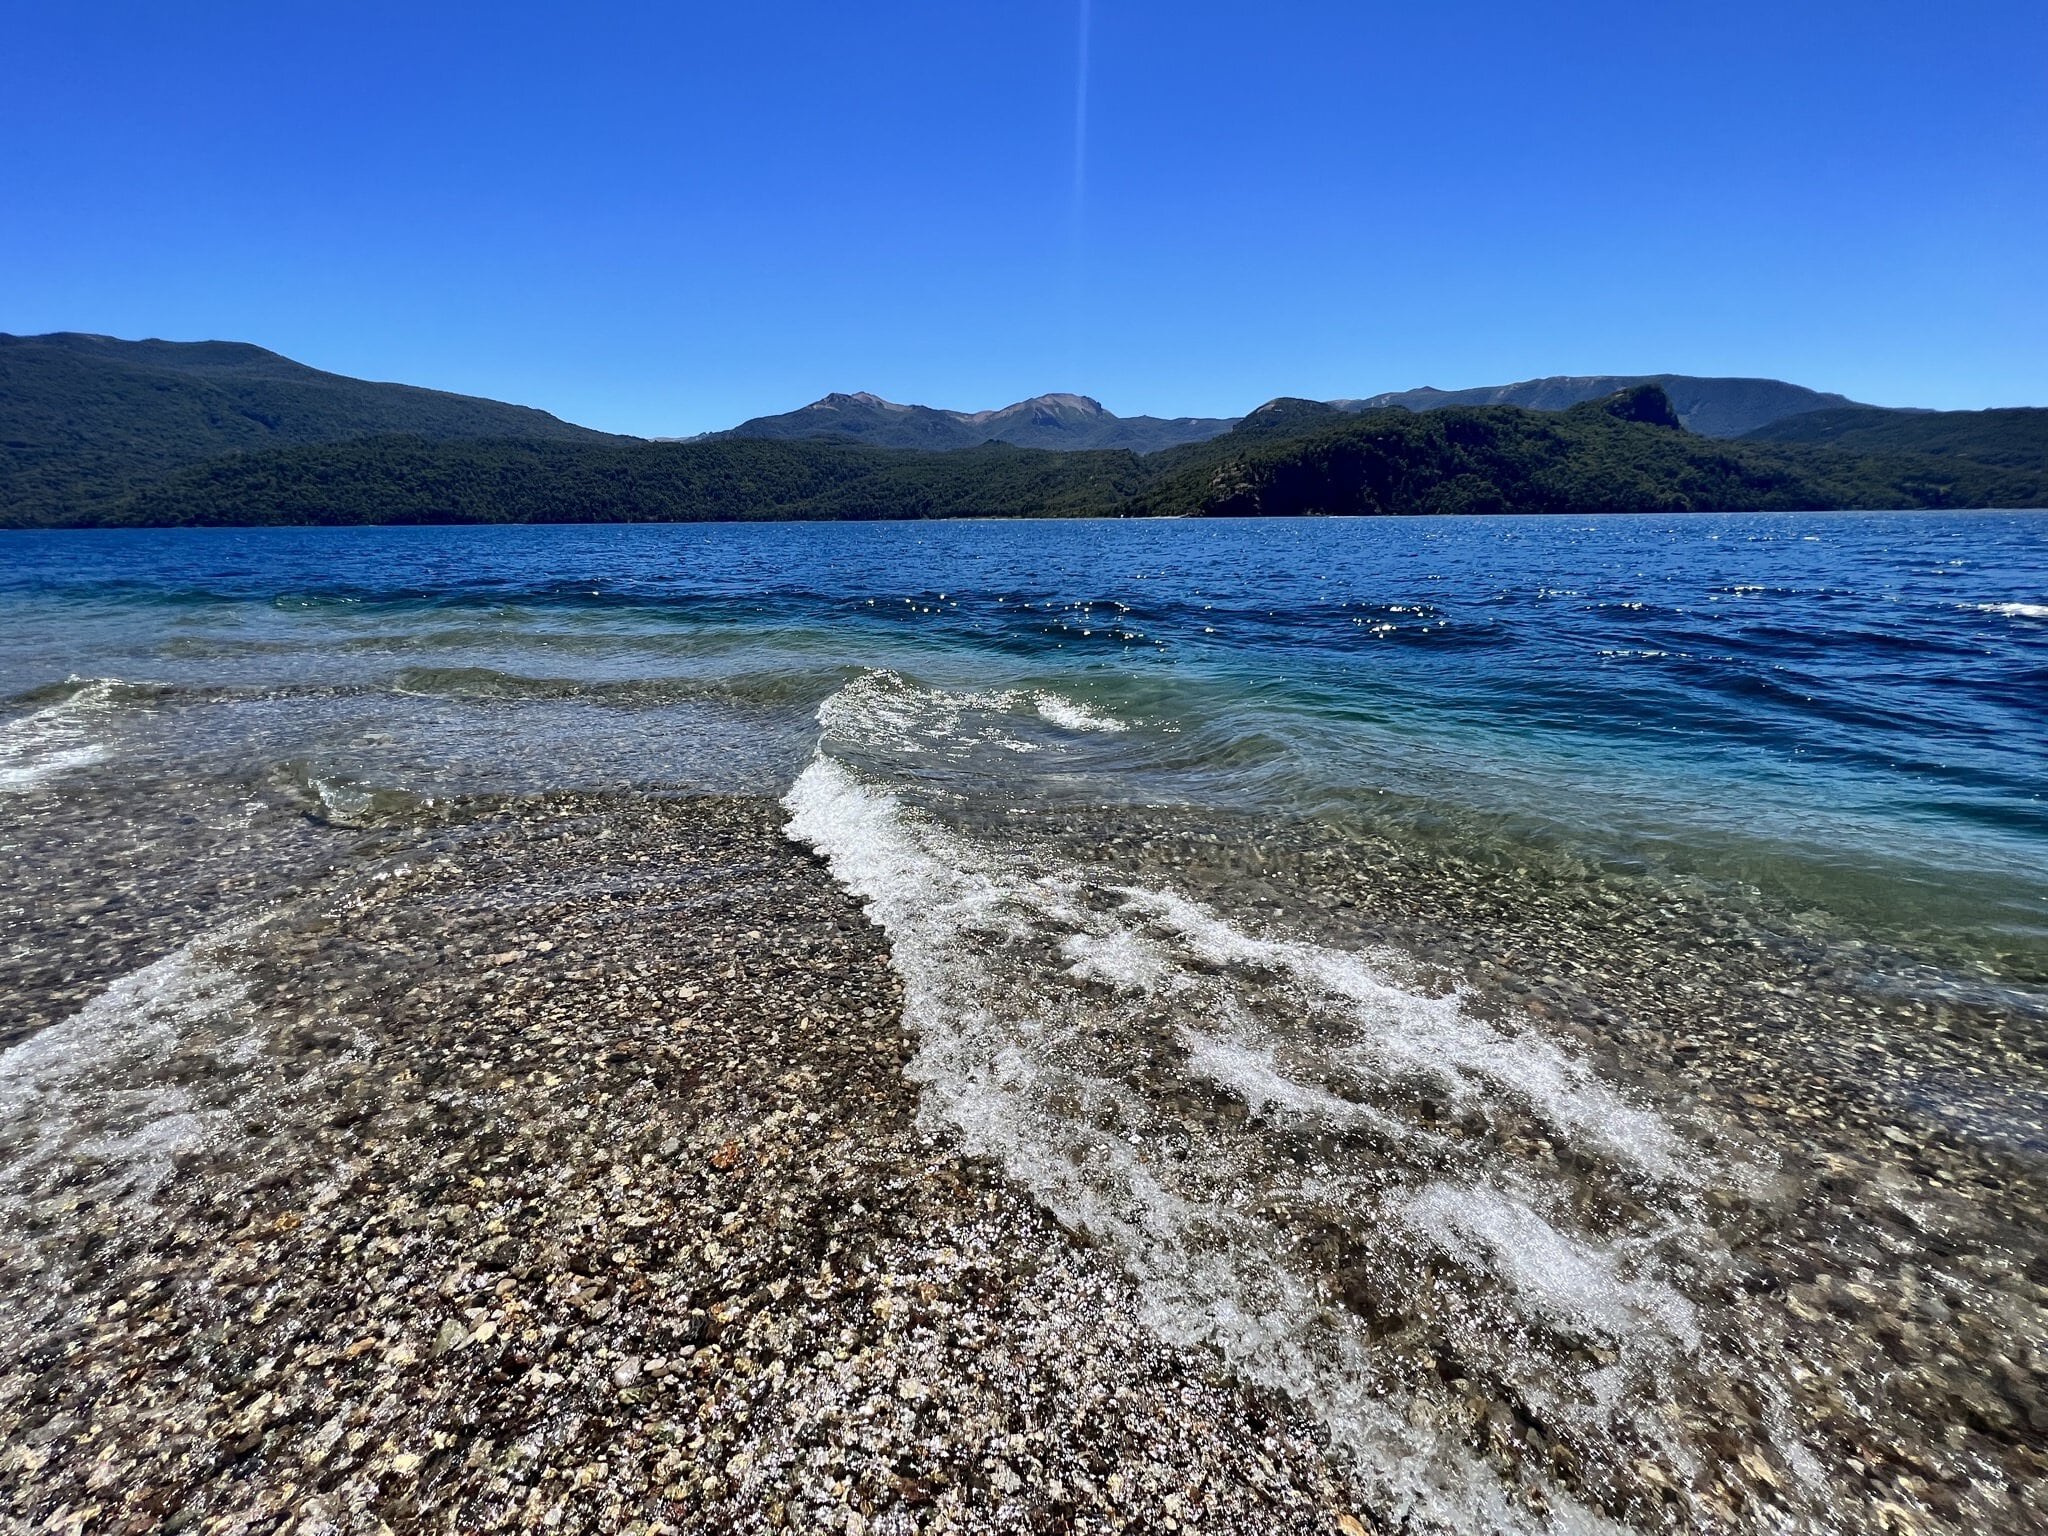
(1840, 712)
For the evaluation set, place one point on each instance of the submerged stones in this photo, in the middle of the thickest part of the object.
(635, 1232)
(1876, 1187)
(559, 1162)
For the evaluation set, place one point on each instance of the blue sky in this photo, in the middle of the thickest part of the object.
(663, 219)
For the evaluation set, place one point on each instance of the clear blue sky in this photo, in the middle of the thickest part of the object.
(663, 219)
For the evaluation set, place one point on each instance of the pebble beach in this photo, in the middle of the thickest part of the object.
(563, 1174)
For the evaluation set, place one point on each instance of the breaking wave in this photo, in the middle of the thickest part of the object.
(56, 738)
(87, 1095)
(1357, 1191)
(1068, 715)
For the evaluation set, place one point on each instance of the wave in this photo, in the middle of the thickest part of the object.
(57, 737)
(2016, 610)
(85, 1093)
(340, 799)
(1351, 1187)
(884, 713)
(1070, 716)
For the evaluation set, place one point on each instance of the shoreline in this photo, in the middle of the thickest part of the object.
(560, 1160)
(599, 1157)
(1600, 513)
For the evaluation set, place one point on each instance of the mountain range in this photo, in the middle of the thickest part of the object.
(1710, 407)
(96, 430)
(1066, 422)
(1624, 453)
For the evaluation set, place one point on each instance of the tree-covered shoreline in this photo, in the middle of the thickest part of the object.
(1622, 455)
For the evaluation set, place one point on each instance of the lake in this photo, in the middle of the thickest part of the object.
(1592, 967)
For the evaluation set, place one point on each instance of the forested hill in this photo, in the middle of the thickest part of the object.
(1709, 406)
(86, 418)
(1295, 458)
(413, 480)
(2016, 437)
(95, 430)
(1623, 454)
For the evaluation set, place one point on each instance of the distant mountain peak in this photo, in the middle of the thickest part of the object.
(839, 402)
(1058, 420)
(1712, 407)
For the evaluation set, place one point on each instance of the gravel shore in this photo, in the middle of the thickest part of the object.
(552, 1163)
(555, 1168)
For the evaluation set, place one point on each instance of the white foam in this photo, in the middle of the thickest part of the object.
(1009, 1060)
(1406, 1032)
(1071, 716)
(86, 1085)
(2016, 610)
(1217, 1105)
(1253, 1074)
(54, 739)
(883, 711)
(1568, 1278)
(1127, 961)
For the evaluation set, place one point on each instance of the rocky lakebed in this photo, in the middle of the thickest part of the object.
(558, 1171)
(557, 1163)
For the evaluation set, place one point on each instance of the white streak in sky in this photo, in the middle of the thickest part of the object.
(1081, 114)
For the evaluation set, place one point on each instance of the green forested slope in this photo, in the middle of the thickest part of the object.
(1291, 458)
(1711, 407)
(412, 480)
(88, 418)
(2013, 438)
(1591, 458)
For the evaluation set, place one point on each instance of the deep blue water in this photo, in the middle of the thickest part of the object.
(1846, 709)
